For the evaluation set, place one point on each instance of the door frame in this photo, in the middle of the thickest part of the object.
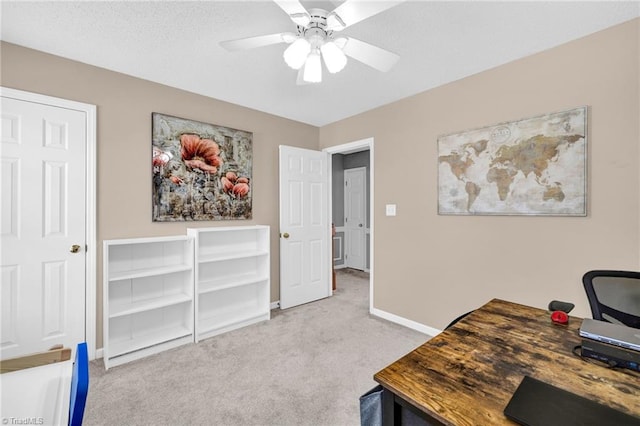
(90, 207)
(347, 148)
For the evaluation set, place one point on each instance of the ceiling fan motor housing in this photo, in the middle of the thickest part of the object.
(316, 32)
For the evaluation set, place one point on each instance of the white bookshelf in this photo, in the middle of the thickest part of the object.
(232, 278)
(147, 296)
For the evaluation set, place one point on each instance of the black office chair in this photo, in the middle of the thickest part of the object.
(614, 296)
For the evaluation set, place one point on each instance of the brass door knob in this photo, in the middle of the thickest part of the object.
(74, 248)
(285, 235)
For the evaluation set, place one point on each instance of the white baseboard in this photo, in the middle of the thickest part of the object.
(275, 305)
(342, 266)
(405, 322)
(99, 353)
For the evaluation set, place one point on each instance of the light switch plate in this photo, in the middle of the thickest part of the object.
(391, 209)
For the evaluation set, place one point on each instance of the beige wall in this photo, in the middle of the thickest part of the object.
(430, 268)
(124, 107)
(452, 264)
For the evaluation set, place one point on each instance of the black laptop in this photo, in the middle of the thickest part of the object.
(536, 403)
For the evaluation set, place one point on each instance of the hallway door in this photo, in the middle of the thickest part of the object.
(355, 199)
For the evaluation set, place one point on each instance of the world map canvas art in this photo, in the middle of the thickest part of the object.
(200, 171)
(534, 166)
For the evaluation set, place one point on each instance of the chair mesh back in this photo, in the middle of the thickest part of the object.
(619, 293)
(614, 296)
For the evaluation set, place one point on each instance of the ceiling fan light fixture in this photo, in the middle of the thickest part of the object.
(335, 23)
(296, 54)
(334, 57)
(313, 68)
(316, 35)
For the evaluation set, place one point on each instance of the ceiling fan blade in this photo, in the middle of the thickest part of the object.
(295, 10)
(352, 11)
(370, 55)
(258, 41)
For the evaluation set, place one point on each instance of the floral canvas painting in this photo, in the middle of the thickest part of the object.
(200, 171)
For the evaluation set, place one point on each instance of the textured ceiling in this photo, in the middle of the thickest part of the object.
(176, 43)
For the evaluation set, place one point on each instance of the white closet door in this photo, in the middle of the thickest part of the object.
(42, 224)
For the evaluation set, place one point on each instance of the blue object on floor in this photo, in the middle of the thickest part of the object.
(79, 385)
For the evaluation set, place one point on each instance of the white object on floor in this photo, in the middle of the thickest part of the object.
(37, 395)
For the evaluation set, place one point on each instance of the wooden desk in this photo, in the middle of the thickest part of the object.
(467, 374)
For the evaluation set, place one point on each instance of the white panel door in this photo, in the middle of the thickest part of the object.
(42, 216)
(355, 187)
(304, 226)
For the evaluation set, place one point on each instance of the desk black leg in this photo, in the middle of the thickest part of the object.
(391, 411)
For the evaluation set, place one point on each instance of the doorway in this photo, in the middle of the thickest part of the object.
(363, 148)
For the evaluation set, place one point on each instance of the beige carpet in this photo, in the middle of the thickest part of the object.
(306, 366)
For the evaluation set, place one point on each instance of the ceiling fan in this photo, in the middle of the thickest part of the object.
(317, 36)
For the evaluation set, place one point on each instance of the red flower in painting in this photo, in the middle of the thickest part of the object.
(200, 153)
(234, 185)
